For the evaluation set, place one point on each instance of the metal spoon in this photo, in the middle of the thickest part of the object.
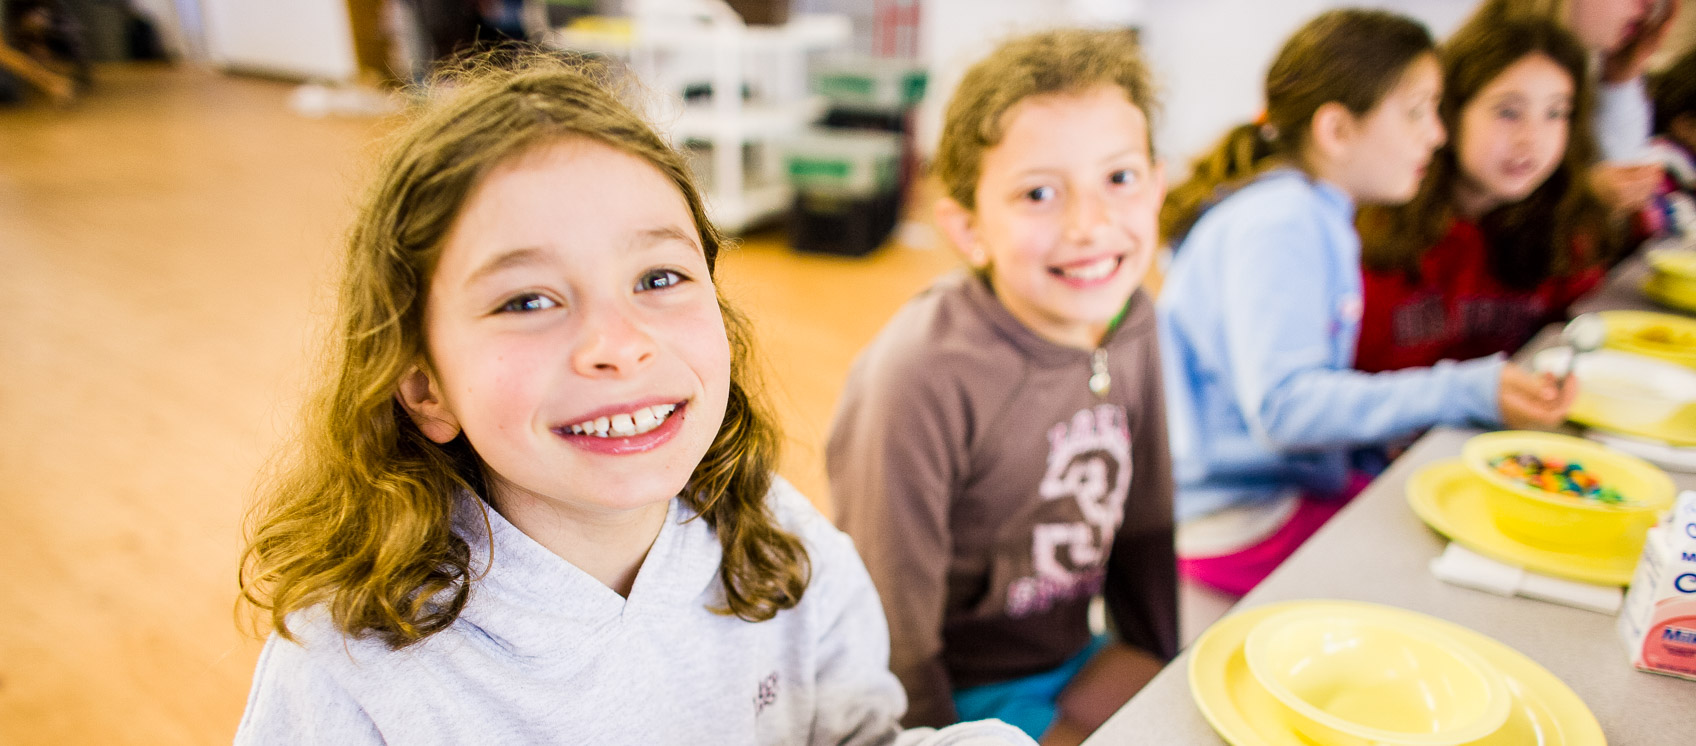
(1584, 333)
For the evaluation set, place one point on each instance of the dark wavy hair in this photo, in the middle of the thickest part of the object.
(359, 516)
(1674, 91)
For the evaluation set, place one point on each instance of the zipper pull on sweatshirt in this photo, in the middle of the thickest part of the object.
(1099, 380)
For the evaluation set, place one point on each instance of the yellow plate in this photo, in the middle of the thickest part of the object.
(1449, 498)
(1672, 292)
(1674, 262)
(1661, 335)
(1545, 712)
(1608, 402)
(1678, 430)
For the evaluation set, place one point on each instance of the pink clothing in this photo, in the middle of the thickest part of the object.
(1239, 572)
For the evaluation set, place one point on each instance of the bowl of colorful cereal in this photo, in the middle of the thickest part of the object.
(1567, 493)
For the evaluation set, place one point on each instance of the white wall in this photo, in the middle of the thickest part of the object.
(1209, 56)
(309, 39)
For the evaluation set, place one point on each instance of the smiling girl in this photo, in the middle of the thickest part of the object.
(534, 502)
(1504, 232)
(999, 451)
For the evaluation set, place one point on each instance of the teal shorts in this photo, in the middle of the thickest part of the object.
(1028, 704)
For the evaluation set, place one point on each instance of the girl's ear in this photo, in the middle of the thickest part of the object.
(960, 225)
(1332, 131)
(422, 397)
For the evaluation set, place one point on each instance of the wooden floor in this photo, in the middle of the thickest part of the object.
(166, 249)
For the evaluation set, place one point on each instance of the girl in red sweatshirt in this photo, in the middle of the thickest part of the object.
(1504, 233)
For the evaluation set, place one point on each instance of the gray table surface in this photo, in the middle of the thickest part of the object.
(1377, 550)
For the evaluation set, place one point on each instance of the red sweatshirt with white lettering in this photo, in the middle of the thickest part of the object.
(1455, 308)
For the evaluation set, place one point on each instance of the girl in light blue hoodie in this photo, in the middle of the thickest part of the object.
(1261, 307)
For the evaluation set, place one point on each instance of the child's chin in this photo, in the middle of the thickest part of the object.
(1398, 197)
(1100, 311)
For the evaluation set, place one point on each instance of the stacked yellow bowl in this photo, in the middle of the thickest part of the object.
(1672, 278)
(1372, 676)
(1557, 518)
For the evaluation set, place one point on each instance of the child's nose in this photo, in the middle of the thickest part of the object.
(613, 344)
(1524, 135)
(1084, 215)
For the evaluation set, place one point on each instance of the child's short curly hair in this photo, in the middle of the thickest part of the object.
(1059, 61)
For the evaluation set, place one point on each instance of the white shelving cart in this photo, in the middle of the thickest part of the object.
(757, 78)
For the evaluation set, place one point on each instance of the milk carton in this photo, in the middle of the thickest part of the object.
(1659, 620)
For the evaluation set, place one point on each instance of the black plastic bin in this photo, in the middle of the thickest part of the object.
(843, 225)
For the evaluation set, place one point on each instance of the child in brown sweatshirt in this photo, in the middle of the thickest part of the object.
(999, 454)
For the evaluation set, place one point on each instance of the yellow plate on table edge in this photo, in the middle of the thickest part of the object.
(1670, 292)
(1545, 710)
(1678, 430)
(1448, 497)
(1677, 261)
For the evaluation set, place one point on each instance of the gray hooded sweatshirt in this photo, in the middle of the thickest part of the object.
(545, 653)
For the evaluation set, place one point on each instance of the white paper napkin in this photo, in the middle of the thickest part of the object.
(1464, 567)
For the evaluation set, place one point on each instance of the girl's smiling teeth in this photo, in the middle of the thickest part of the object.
(625, 424)
(1089, 271)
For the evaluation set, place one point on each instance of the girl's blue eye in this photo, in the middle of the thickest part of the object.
(1123, 176)
(525, 303)
(659, 279)
(1511, 115)
(1040, 194)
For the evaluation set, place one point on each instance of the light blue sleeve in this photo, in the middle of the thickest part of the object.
(1281, 282)
(294, 701)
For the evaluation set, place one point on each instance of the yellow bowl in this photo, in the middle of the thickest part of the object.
(1673, 262)
(1658, 335)
(1554, 520)
(1673, 292)
(1362, 676)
